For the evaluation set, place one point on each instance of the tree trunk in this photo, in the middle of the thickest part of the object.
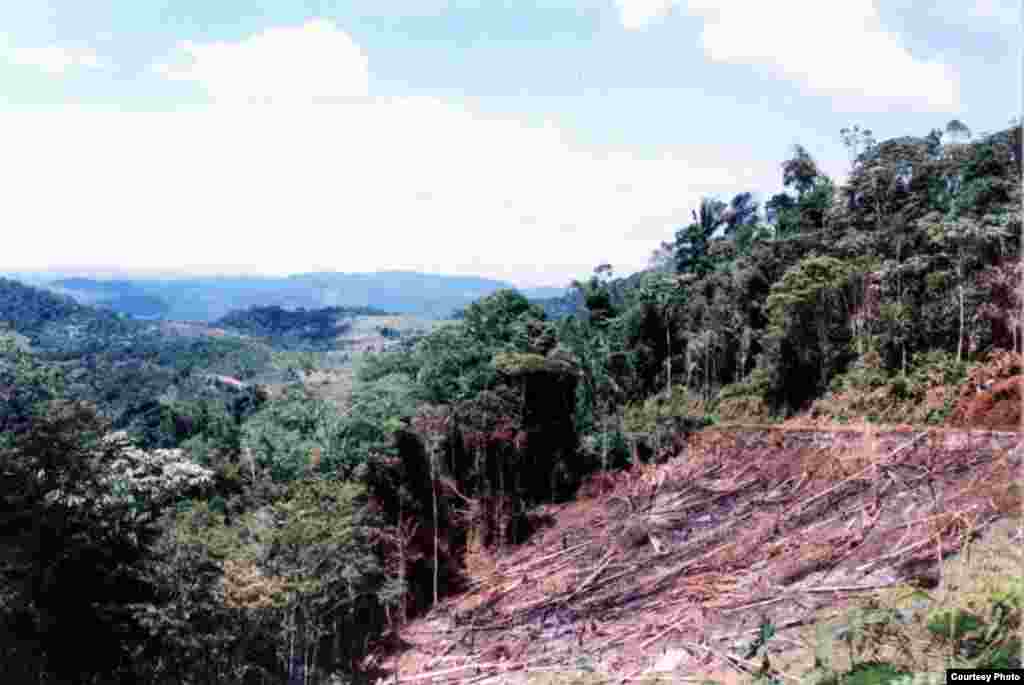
(404, 601)
(960, 339)
(433, 482)
(707, 370)
(689, 366)
(604, 450)
(291, 647)
(500, 510)
(668, 361)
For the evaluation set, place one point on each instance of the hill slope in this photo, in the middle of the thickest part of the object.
(749, 525)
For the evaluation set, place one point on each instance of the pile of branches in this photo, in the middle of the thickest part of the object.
(690, 552)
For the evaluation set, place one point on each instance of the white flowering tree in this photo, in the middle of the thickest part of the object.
(141, 479)
(80, 516)
(159, 476)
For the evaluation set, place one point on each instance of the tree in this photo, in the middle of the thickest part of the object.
(859, 142)
(212, 619)
(283, 434)
(741, 212)
(500, 318)
(327, 560)
(596, 294)
(78, 523)
(1004, 302)
(26, 384)
(781, 210)
(965, 238)
(958, 131)
(692, 241)
(800, 171)
(664, 293)
(809, 332)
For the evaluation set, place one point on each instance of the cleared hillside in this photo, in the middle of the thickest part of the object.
(749, 525)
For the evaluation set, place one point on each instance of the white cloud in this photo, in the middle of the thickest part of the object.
(355, 185)
(53, 59)
(415, 183)
(313, 61)
(834, 48)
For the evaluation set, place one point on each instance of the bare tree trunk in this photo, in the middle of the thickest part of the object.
(689, 366)
(668, 360)
(707, 370)
(604, 451)
(404, 601)
(291, 646)
(960, 340)
(433, 482)
(899, 289)
(500, 510)
(1019, 323)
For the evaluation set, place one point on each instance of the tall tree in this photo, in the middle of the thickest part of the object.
(692, 241)
(75, 545)
(858, 142)
(597, 295)
(809, 332)
(958, 131)
(965, 240)
(800, 171)
(781, 211)
(665, 294)
(742, 211)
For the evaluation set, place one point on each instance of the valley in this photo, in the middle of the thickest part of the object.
(776, 441)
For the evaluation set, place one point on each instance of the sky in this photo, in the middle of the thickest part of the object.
(525, 141)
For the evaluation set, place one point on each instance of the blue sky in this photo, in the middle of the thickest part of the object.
(525, 141)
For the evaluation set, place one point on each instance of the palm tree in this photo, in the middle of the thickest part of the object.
(692, 241)
(741, 212)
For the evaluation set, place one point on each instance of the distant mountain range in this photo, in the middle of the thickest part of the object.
(206, 298)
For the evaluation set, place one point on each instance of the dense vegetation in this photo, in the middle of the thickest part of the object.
(899, 279)
(296, 329)
(249, 536)
(138, 376)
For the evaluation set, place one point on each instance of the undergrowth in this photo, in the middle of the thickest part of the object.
(660, 412)
(926, 394)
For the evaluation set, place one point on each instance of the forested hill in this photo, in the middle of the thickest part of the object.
(130, 370)
(319, 328)
(53, 321)
(890, 285)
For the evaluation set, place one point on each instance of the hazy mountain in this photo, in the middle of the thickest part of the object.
(207, 298)
(543, 293)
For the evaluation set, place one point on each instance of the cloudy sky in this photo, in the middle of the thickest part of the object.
(520, 140)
